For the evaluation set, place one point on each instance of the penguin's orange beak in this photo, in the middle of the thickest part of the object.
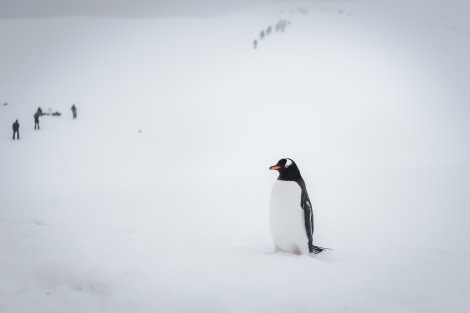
(274, 167)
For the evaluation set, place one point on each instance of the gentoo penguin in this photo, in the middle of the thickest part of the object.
(290, 211)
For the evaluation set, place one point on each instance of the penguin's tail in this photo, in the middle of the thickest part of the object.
(316, 249)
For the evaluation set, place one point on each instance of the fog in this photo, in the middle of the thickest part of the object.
(156, 197)
(122, 8)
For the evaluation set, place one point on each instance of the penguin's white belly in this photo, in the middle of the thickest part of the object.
(287, 218)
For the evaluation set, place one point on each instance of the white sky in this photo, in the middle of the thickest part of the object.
(120, 8)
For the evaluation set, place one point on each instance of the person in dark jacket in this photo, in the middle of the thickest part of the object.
(16, 130)
(36, 118)
(74, 110)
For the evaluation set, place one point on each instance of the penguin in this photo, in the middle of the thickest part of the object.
(290, 211)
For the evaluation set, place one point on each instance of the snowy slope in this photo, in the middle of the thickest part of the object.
(155, 198)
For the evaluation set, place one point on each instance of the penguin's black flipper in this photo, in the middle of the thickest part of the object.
(308, 217)
(309, 228)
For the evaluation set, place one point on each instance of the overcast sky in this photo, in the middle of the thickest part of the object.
(120, 8)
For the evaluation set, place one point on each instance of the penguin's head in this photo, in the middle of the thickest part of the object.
(287, 169)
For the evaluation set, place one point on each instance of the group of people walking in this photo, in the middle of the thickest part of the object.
(16, 124)
(279, 27)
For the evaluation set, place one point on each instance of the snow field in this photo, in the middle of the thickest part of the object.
(96, 216)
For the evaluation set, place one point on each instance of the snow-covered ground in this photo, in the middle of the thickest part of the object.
(155, 198)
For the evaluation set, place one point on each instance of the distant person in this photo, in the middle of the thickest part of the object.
(16, 130)
(74, 111)
(281, 25)
(36, 118)
(255, 44)
(261, 35)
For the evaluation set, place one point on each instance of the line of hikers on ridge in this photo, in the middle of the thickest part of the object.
(16, 124)
(279, 27)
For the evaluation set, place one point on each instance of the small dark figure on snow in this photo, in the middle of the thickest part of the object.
(261, 35)
(255, 44)
(36, 118)
(74, 111)
(268, 31)
(281, 25)
(16, 130)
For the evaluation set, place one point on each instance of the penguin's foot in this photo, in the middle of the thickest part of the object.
(296, 251)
